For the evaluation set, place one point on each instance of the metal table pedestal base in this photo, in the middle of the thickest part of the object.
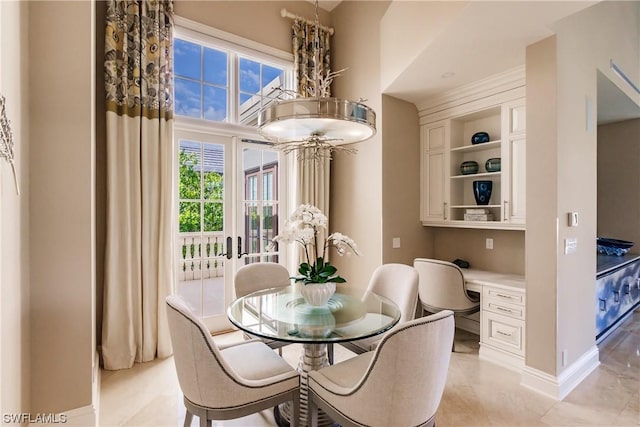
(314, 357)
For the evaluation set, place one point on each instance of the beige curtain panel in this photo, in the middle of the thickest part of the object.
(138, 255)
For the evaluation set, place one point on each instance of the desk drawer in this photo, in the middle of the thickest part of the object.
(503, 332)
(502, 295)
(513, 310)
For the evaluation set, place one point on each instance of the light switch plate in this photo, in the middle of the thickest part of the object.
(395, 243)
(570, 245)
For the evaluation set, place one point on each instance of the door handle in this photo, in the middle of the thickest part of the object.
(240, 253)
(228, 254)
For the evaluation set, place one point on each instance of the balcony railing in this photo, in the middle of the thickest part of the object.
(198, 255)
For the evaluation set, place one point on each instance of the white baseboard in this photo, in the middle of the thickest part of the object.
(559, 387)
(500, 357)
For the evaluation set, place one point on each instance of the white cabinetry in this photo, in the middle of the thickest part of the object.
(502, 327)
(433, 184)
(446, 193)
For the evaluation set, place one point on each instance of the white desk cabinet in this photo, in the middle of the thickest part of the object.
(502, 316)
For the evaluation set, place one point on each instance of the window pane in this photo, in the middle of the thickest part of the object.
(188, 95)
(186, 59)
(249, 108)
(189, 217)
(270, 224)
(252, 227)
(267, 186)
(252, 187)
(213, 216)
(269, 159)
(213, 171)
(249, 76)
(215, 103)
(215, 66)
(189, 160)
(271, 77)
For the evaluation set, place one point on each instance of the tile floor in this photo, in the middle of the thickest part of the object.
(478, 393)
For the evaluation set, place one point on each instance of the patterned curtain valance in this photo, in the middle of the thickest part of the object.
(138, 65)
(303, 54)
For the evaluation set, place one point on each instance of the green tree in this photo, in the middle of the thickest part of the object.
(189, 189)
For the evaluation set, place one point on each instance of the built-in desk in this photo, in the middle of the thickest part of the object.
(502, 315)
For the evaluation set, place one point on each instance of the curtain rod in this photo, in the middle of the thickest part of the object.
(286, 14)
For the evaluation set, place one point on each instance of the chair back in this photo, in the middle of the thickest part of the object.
(399, 283)
(410, 364)
(204, 376)
(260, 275)
(441, 287)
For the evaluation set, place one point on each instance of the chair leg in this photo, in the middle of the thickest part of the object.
(313, 412)
(187, 419)
(330, 353)
(280, 351)
(295, 403)
(205, 422)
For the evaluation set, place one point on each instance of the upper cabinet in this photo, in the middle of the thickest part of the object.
(456, 194)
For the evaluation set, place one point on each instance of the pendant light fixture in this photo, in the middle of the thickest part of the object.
(319, 122)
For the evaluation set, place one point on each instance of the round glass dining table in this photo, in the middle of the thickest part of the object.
(282, 314)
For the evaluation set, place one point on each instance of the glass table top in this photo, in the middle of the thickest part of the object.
(282, 314)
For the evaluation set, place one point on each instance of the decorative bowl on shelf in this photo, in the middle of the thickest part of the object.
(607, 246)
(469, 167)
(479, 138)
(482, 191)
(493, 164)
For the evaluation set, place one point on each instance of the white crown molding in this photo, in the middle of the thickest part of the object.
(479, 89)
(559, 387)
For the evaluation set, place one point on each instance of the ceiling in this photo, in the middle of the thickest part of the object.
(486, 38)
(613, 104)
(483, 39)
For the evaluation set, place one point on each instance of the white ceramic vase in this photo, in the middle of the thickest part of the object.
(318, 294)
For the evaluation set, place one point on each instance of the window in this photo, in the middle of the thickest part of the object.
(219, 82)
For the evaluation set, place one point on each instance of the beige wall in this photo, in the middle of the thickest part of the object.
(356, 180)
(619, 181)
(561, 75)
(507, 255)
(401, 184)
(14, 214)
(542, 236)
(61, 100)
(259, 21)
(586, 41)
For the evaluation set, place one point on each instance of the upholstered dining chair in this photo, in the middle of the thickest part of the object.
(258, 276)
(410, 364)
(441, 287)
(221, 383)
(399, 283)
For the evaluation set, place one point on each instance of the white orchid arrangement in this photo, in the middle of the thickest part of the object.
(302, 227)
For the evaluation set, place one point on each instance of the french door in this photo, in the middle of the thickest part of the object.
(229, 202)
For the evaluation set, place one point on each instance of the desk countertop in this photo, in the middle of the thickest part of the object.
(476, 278)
